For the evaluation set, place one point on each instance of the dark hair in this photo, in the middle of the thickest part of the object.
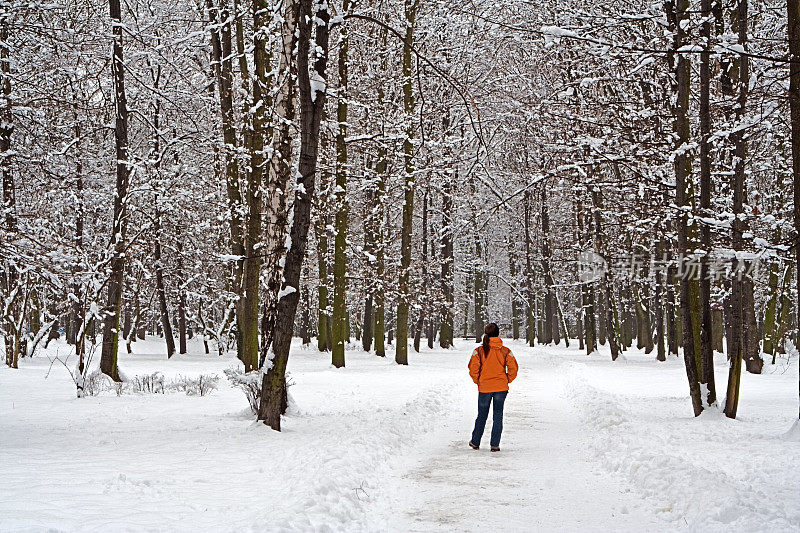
(491, 330)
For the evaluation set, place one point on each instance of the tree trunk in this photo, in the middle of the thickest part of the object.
(262, 130)
(661, 353)
(468, 299)
(203, 328)
(371, 221)
(401, 352)
(673, 323)
(6, 131)
(130, 336)
(512, 268)
(770, 314)
(561, 320)
(785, 312)
(369, 321)
(76, 319)
(600, 303)
(305, 317)
(446, 313)
(126, 320)
(587, 286)
(312, 104)
(530, 323)
(380, 259)
(645, 340)
(550, 307)
(181, 298)
(423, 308)
(161, 290)
(741, 325)
(717, 328)
(222, 54)
(753, 361)
(430, 303)
(108, 356)
(611, 318)
(321, 230)
(706, 189)
(793, 31)
(678, 18)
(9, 275)
(478, 290)
(380, 211)
(273, 115)
(340, 332)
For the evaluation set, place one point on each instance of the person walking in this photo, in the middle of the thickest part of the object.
(492, 367)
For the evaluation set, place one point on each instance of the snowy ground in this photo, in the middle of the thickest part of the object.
(588, 445)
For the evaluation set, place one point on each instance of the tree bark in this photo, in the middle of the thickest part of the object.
(108, 356)
(793, 31)
(644, 338)
(381, 166)
(401, 352)
(550, 307)
(530, 323)
(380, 258)
(678, 15)
(423, 307)
(706, 189)
(587, 286)
(785, 312)
(741, 325)
(321, 230)
(512, 269)
(160, 288)
(312, 104)
(478, 290)
(6, 131)
(305, 318)
(76, 318)
(446, 313)
(274, 85)
(609, 308)
(340, 332)
(770, 314)
(661, 353)
(182, 325)
(221, 50)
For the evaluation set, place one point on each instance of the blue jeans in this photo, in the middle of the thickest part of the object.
(484, 399)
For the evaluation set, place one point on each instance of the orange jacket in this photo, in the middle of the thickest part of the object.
(495, 372)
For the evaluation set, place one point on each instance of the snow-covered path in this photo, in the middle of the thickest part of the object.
(588, 445)
(541, 480)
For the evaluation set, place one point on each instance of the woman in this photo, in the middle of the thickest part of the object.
(492, 367)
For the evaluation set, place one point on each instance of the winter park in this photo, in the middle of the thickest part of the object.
(400, 266)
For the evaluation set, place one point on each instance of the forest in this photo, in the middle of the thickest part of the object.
(621, 179)
(193, 168)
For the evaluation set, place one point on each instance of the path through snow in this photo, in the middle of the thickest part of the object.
(541, 480)
(588, 445)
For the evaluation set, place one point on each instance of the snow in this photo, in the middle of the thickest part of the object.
(711, 474)
(318, 85)
(229, 258)
(587, 445)
(286, 291)
(555, 31)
